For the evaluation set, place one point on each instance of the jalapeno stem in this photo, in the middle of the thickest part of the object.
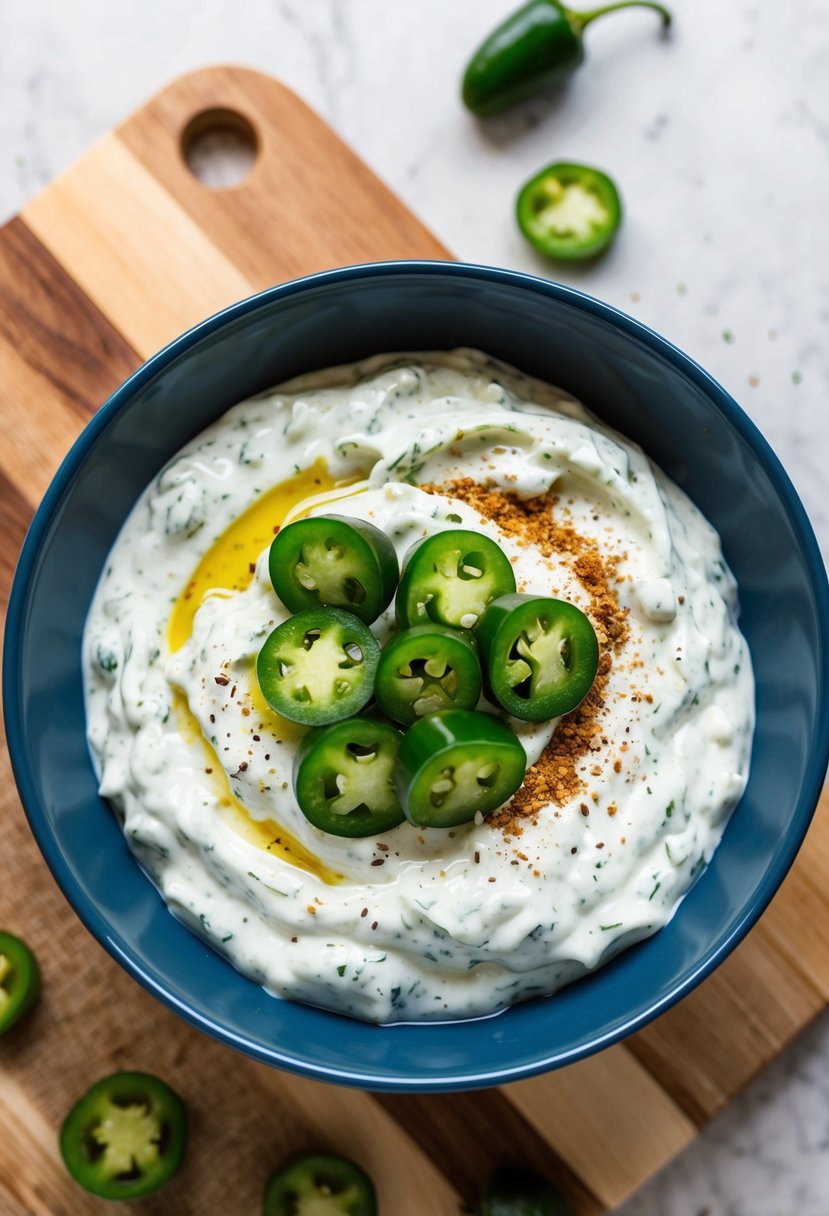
(580, 21)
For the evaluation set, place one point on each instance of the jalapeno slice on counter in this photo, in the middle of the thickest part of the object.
(455, 763)
(449, 578)
(19, 980)
(336, 561)
(514, 1192)
(125, 1137)
(344, 777)
(540, 655)
(425, 669)
(569, 212)
(318, 666)
(319, 1184)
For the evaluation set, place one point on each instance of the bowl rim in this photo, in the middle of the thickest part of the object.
(96, 923)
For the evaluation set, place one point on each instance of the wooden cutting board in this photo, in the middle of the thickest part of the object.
(119, 255)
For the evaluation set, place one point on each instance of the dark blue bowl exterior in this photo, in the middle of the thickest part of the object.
(630, 377)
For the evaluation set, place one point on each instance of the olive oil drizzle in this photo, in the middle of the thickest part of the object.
(227, 568)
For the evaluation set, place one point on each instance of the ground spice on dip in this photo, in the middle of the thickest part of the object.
(556, 777)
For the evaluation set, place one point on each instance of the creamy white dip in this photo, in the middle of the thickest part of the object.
(421, 923)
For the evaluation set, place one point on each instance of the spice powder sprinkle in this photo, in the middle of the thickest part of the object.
(556, 778)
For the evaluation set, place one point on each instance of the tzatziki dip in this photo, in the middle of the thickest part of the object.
(624, 799)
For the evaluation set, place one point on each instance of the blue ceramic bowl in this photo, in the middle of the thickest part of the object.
(630, 377)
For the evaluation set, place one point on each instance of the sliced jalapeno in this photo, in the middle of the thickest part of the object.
(334, 560)
(513, 1192)
(19, 980)
(450, 578)
(455, 763)
(427, 668)
(569, 212)
(318, 666)
(320, 1184)
(344, 777)
(540, 655)
(125, 1137)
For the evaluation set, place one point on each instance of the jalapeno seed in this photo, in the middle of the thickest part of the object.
(426, 669)
(125, 1137)
(318, 666)
(569, 212)
(319, 1184)
(19, 980)
(344, 777)
(336, 561)
(450, 577)
(455, 763)
(540, 655)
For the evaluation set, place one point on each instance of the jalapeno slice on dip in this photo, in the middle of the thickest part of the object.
(514, 1192)
(540, 655)
(455, 763)
(450, 578)
(19, 980)
(344, 777)
(319, 1184)
(125, 1137)
(427, 668)
(337, 561)
(318, 666)
(569, 212)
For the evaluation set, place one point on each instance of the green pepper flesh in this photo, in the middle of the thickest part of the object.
(516, 1192)
(450, 577)
(569, 212)
(319, 1184)
(532, 51)
(19, 980)
(456, 763)
(425, 669)
(125, 1137)
(540, 655)
(344, 777)
(318, 666)
(336, 561)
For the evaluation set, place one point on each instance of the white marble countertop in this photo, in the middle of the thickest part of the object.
(719, 140)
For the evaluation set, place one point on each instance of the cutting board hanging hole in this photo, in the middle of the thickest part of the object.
(220, 147)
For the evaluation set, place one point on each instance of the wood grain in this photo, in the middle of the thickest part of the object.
(310, 201)
(705, 1050)
(15, 517)
(135, 252)
(467, 1135)
(114, 259)
(609, 1119)
(59, 359)
(157, 251)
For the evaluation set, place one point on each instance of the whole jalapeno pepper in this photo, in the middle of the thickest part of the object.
(427, 668)
(455, 763)
(318, 666)
(334, 560)
(125, 1137)
(514, 1192)
(533, 50)
(19, 980)
(319, 1184)
(450, 577)
(344, 777)
(569, 212)
(540, 655)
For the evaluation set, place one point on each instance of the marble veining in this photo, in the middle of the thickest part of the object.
(718, 137)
